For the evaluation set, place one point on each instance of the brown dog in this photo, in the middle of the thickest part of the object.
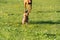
(25, 17)
(27, 10)
(28, 5)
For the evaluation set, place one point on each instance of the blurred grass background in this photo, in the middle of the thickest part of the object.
(44, 20)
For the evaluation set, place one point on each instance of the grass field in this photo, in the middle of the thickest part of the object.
(44, 20)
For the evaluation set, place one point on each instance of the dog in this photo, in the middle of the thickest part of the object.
(25, 17)
(28, 5)
(27, 10)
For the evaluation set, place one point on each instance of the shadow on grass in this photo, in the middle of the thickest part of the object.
(45, 11)
(48, 11)
(44, 22)
(50, 35)
(58, 11)
(3, 1)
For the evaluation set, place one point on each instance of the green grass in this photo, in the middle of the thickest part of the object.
(44, 20)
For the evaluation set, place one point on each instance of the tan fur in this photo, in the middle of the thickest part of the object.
(25, 18)
(27, 10)
(28, 6)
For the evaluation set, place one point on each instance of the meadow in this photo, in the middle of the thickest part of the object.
(44, 20)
